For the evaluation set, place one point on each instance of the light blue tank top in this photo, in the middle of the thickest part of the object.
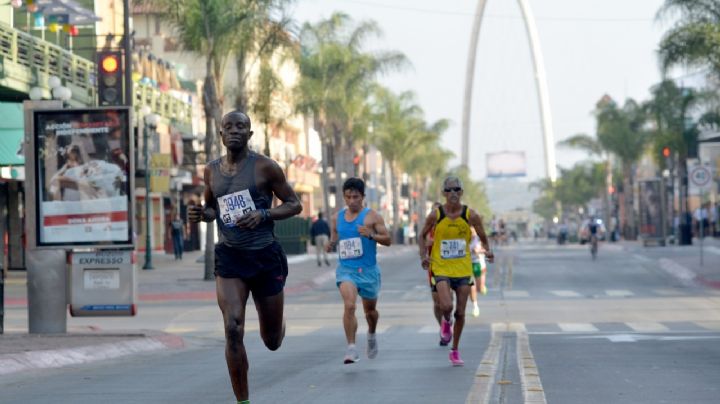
(355, 250)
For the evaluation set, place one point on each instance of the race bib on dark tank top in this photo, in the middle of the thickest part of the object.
(235, 205)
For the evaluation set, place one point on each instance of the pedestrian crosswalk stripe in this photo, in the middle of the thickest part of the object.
(429, 329)
(565, 293)
(619, 293)
(516, 293)
(577, 327)
(301, 330)
(668, 292)
(710, 325)
(647, 327)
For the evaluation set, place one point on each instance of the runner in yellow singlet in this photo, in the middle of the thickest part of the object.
(450, 258)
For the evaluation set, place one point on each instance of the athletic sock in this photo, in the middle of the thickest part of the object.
(243, 402)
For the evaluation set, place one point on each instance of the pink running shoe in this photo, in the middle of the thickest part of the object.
(445, 332)
(455, 358)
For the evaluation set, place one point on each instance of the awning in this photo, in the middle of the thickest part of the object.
(10, 147)
(11, 134)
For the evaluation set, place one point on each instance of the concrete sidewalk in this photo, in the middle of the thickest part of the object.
(170, 280)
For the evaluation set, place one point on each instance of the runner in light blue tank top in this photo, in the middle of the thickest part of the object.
(355, 232)
(360, 252)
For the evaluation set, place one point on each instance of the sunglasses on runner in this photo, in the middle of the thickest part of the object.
(453, 189)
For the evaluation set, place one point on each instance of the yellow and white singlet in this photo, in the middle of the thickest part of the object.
(450, 255)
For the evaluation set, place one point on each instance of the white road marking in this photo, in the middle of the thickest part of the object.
(709, 325)
(685, 275)
(641, 258)
(516, 293)
(647, 326)
(577, 327)
(668, 292)
(532, 387)
(619, 293)
(485, 373)
(565, 293)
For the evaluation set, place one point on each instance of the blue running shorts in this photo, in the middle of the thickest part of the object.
(366, 280)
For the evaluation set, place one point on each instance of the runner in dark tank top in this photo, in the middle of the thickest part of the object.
(239, 189)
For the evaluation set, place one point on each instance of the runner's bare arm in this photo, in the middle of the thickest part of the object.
(205, 213)
(290, 206)
(430, 222)
(333, 234)
(375, 229)
(477, 223)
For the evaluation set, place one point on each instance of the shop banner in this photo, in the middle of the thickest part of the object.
(82, 174)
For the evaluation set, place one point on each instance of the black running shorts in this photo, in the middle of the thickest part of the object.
(264, 270)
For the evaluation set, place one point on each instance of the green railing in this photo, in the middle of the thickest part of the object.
(27, 61)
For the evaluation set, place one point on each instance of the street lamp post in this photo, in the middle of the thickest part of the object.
(150, 123)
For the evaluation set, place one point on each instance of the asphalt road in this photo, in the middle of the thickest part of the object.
(555, 327)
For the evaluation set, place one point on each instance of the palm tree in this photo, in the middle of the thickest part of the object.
(670, 109)
(621, 131)
(398, 128)
(334, 71)
(267, 31)
(694, 41)
(209, 28)
(264, 107)
(593, 147)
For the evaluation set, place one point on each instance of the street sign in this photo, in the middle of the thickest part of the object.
(701, 177)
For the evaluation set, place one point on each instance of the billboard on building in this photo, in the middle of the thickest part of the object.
(506, 164)
(83, 177)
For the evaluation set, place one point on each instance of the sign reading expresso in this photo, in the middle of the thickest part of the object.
(83, 177)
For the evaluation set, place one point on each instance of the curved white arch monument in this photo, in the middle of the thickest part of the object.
(540, 81)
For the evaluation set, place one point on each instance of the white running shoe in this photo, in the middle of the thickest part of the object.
(476, 310)
(372, 346)
(351, 355)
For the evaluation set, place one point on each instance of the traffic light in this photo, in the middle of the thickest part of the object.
(666, 152)
(109, 78)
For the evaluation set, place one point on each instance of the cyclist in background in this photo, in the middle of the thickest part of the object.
(593, 230)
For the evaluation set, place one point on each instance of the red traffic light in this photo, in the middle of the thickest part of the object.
(666, 151)
(110, 64)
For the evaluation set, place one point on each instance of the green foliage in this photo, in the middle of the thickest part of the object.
(694, 41)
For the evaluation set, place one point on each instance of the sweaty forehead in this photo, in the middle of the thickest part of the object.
(234, 118)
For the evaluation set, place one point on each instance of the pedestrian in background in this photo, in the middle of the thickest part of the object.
(177, 227)
(320, 234)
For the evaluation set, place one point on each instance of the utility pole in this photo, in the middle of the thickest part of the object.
(127, 48)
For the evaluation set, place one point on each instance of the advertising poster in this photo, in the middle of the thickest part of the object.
(83, 177)
(506, 164)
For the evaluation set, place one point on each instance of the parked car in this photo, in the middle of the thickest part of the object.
(584, 231)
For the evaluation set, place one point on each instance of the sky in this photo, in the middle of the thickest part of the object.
(590, 48)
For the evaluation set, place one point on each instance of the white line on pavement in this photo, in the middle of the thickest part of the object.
(619, 293)
(577, 327)
(646, 326)
(532, 388)
(565, 293)
(485, 374)
(685, 275)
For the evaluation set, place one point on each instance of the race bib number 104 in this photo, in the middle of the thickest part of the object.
(235, 205)
(350, 248)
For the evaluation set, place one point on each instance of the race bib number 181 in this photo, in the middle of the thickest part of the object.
(350, 248)
(235, 205)
(452, 248)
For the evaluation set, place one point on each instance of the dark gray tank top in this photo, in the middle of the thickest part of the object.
(236, 195)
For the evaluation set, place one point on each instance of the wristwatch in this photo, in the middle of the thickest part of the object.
(371, 236)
